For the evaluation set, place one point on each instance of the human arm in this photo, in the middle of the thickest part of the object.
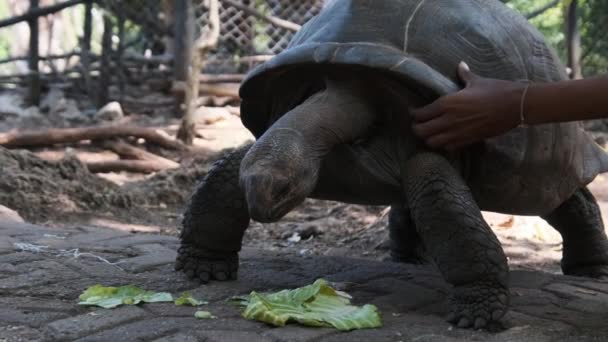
(489, 107)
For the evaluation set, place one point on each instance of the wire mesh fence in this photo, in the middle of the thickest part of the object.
(243, 37)
(128, 41)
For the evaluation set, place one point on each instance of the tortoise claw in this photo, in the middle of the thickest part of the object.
(204, 265)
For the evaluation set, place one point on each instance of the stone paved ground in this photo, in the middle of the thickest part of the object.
(39, 290)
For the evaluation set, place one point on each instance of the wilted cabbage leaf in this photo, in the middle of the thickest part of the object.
(316, 305)
(111, 297)
(204, 315)
(187, 299)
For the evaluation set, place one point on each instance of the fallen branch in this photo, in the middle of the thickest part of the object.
(137, 166)
(70, 135)
(131, 152)
(542, 10)
(221, 78)
(220, 89)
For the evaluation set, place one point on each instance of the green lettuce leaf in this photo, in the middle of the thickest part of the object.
(204, 315)
(187, 299)
(317, 305)
(110, 297)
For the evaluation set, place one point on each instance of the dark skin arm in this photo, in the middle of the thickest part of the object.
(488, 107)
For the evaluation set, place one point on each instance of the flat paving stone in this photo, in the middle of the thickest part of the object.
(39, 295)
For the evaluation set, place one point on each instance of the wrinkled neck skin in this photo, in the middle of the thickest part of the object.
(282, 167)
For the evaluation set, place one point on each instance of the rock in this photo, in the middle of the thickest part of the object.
(53, 101)
(61, 111)
(7, 214)
(110, 112)
(9, 106)
(32, 117)
(308, 230)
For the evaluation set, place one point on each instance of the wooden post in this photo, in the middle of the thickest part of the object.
(86, 46)
(202, 46)
(119, 54)
(106, 55)
(34, 79)
(573, 40)
(183, 27)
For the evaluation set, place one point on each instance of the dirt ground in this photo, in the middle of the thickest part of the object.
(51, 186)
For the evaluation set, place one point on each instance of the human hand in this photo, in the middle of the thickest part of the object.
(483, 109)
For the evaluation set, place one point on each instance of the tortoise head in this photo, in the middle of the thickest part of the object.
(282, 167)
(277, 174)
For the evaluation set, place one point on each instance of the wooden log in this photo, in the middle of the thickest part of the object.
(220, 89)
(137, 166)
(71, 135)
(221, 78)
(128, 151)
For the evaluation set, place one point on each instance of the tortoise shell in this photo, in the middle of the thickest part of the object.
(528, 171)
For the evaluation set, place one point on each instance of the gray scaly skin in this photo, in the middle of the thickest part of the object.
(214, 223)
(461, 243)
(313, 151)
(579, 221)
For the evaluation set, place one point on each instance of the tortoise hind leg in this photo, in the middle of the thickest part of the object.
(214, 223)
(579, 221)
(405, 243)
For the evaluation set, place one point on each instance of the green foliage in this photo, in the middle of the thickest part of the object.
(593, 23)
(204, 315)
(594, 32)
(5, 37)
(316, 305)
(593, 28)
(187, 299)
(110, 297)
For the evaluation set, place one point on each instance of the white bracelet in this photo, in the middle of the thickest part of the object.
(522, 118)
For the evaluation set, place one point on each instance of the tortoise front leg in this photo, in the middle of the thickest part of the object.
(458, 239)
(214, 223)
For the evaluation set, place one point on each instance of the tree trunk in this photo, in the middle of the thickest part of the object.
(122, 79)
(183, 28)
(573, 40)
(203, 44)
(34, 79)
(86, 46)
(106, 55)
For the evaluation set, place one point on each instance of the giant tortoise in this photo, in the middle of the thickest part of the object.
(330, 115)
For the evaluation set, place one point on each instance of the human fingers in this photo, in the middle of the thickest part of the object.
(428, 112)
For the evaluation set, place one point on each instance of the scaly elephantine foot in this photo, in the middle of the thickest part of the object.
(591, 271)
(477, 305)
(204, 265)
(587, 257)
(415, 258)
